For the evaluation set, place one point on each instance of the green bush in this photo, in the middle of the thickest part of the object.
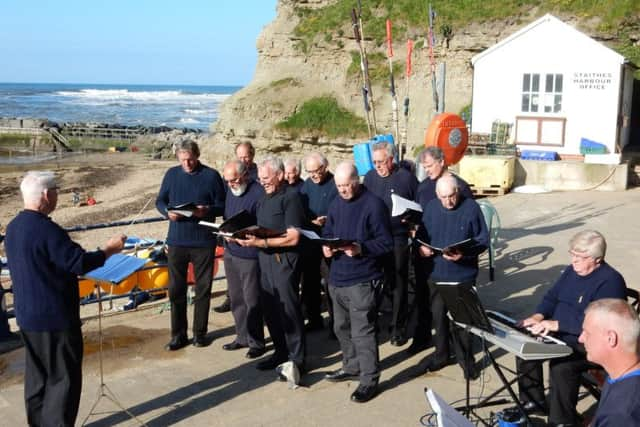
(324, 116)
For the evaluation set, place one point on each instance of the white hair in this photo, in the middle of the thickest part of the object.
(293, 162)
(34, 183)
(318, 157)
(273, 163)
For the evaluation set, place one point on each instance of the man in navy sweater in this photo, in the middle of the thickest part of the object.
(241, 264)
(44, 264)
(201, 186)
(318, 191)
(356, 273)
(280, 210)
(432, 161)
(588, 278)
(610, 334)
(245, 153)
(445, 221)
(386, 179)
(292, 170)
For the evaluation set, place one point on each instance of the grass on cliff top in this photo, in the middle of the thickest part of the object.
(324, 116)
(378, 68)
(411, 18)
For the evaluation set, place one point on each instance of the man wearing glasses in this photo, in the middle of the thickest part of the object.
(318, 191)
(241, 264)
(280, 209)
(561, 312)
(385, 179)
(45, 264)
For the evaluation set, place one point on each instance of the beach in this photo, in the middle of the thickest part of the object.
(213, 387)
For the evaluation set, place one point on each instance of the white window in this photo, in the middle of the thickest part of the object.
(541, 93)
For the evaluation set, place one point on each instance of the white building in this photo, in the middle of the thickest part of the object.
(556, 86)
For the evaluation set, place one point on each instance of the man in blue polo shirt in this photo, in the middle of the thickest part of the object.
(44, 264)
(201, 186)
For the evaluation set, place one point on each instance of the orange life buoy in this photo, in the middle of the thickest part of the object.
(448, 132)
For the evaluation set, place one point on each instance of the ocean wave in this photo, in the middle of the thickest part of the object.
(200, 112)
(188, 120)
(124, 95)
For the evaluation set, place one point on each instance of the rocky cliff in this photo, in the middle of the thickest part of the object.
(286, 76)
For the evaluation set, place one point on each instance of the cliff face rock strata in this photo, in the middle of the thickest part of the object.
(285, 77)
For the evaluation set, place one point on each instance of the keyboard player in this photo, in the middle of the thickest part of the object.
(561, 312)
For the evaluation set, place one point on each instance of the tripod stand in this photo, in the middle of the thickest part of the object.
(103, 389)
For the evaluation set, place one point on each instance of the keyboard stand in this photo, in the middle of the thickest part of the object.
(468, 409)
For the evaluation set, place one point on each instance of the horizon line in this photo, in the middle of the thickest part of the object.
(123, 84)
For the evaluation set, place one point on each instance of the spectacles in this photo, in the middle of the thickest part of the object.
(579, 256)
(315, 171)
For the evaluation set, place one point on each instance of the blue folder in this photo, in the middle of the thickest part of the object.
(117, 268)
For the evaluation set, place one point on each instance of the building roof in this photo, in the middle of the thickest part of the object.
(536, 25)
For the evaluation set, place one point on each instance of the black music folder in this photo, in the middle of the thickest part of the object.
(240, 225)
(332, 242)
(184, 209)
(461, 246)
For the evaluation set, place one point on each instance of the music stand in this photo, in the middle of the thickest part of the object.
(117, 268)
(465, 308)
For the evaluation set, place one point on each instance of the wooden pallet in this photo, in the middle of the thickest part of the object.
(494, 190)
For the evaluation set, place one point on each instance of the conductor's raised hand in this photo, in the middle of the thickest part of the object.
(114, 245)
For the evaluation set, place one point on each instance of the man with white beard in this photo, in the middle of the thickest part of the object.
(241, 264)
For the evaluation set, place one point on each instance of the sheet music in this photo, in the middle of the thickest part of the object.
(400, 205)
(446, 415)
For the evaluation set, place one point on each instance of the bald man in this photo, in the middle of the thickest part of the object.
(355, 276)
(610, 335)
(446, 220)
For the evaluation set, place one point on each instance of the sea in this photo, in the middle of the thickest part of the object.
(175, 106)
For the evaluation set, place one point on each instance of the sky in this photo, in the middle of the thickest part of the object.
(194, 42)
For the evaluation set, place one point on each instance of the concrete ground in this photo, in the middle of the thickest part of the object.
(212, 387)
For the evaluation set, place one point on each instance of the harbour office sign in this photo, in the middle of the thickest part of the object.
(592, 80)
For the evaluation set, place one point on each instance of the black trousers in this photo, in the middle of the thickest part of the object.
(53, 376)
(447, 332)
(279, 279)
(202, 260)
(564, 375)
(421, 305)
(315, 267)
(355, 314)
(396, 270)
(243, 283)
